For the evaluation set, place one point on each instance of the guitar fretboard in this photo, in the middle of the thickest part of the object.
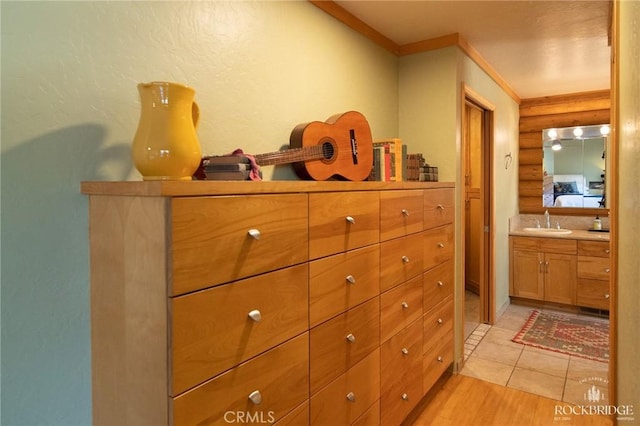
(293, 155)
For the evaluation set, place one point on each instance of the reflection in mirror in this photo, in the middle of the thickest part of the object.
(574, 166)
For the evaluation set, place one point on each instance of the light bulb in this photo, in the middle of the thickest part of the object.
(604, 130)
(556, 145)
(577, 132)
(552, 134)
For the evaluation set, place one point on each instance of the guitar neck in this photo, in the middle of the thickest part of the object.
(293, 155)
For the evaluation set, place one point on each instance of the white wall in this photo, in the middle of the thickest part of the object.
(70, 108)
(430, 122)
(628, 348)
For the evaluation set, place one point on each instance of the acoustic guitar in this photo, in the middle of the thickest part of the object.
(341, 147)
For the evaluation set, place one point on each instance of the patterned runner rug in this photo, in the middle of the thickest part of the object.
(566, 334)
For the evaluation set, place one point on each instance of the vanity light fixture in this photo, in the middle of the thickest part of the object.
(556, 145)
(552, 133)
(577, 132)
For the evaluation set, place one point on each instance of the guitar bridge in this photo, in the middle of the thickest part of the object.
(354, 146)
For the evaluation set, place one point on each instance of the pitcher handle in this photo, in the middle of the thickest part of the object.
(195, 114)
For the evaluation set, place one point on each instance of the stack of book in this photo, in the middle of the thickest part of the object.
(226, 167)
(428, 174)
(415, 162)
(389, 163)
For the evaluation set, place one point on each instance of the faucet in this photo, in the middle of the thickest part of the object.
(546, 219)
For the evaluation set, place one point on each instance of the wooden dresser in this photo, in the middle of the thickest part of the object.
(293, 303)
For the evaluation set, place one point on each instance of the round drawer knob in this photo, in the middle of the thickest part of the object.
(405, 305)
(607, 251)
(351, 338)
(607, 270)
(440, 321)
(440, 284)
(405, 397)
(405, 259)
(255, 397)
(405, 351)
(606, 296)
(351, 279)
(255, 315)
(351, 397)
(440, 359)
(254, 233)
(441, 245)
(405, 212)
(351, 220)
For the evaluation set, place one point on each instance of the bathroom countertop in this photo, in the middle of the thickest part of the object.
(576, 234)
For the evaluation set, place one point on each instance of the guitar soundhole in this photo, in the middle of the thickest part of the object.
(328, 151)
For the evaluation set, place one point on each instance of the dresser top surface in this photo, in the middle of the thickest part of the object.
(203, 188)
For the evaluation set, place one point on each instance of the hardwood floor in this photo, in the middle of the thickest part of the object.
(465, 401)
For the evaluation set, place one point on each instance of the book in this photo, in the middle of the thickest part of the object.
(224, 159)
(228, 175)
(222, 167)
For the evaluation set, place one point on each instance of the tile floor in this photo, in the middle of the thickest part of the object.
(490, 355)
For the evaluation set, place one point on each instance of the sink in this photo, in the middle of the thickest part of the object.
(552, 231)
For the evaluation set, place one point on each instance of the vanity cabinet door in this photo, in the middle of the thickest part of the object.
(560, 278)
(527, 274)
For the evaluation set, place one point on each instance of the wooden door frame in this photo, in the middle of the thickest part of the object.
(487, 287)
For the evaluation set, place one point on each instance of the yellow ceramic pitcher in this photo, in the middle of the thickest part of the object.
(166, 145)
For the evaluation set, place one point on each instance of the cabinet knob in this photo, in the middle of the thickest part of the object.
(607, 270)
(405, 351)
(440, 321)
(440, 284)
(351, 279)
(405, 259)
(405, 397)
(607, 251)
(440, 359)
(405, 305)
(351, 220)
(351, 397)
(405, 212)
(255, 397)
(440, 207)
(254, 233)
(351, 338)
(441, 245)
(606, 296)
(255, 315)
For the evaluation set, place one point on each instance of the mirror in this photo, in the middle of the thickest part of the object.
(574, 164)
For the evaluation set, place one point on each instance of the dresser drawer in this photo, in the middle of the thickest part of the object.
(399, 307)
(212, 242)
(594, 248)
(401, 213)
(349, 396)
(400, 260)
(371, 417)
(279, 376)
(342, 221)
(593, 293)
(436, 361)
(438, 246)
(341, 342)
(438, 284)
(438, 324)
(212, 331)
(597, 268)
(439, 207)
(341, 281)
(401, 355)
(298, 417)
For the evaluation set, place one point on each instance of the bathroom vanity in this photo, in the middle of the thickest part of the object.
(564, 268)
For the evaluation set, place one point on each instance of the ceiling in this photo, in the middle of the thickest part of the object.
(539, 48)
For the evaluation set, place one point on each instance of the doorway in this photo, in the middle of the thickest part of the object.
(477, 146)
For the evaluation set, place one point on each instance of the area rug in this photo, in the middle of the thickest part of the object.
(567, 335)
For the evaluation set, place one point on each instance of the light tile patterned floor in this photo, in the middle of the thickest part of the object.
(490, 355)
